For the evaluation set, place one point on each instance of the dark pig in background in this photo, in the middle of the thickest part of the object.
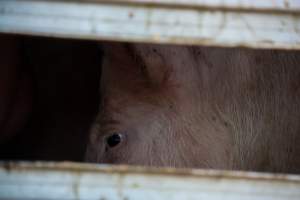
(15, 89)
(48, 97)
(199, 107)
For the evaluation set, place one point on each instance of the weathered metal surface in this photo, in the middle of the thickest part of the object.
(83, 181)
(273, 24)
(272, 5)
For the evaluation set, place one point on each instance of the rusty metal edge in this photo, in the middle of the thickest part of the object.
(191, 42)
(186, 5)
(11, 166)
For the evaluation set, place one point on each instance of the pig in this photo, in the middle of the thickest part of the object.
(15, 89)
(198, 107)
(47, 99)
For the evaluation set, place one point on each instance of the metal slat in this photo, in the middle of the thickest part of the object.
(83, 181)
(273, 24)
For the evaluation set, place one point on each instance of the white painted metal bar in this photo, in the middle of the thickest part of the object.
(83, 181)
(230, 23)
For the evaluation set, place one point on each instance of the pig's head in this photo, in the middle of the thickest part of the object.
(148, 112)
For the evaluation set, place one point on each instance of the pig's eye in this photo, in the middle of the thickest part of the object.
(113, 140)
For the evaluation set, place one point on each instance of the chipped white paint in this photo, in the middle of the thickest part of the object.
(157, 23)
(79, 181)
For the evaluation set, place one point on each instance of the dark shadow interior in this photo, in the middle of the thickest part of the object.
(64, 80)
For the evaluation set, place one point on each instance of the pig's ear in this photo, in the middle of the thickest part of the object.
(114, 49)
(154, 65)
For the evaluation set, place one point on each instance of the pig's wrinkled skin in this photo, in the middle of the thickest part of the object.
(199, 107)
